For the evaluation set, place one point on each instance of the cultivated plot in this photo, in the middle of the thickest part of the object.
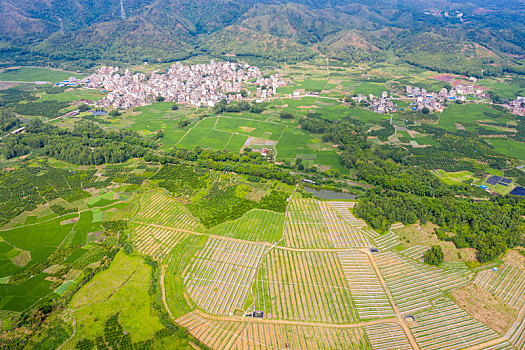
(447, 326)
(387, 241)
(159, 209)
(343, 209)
(313, 224)
(305, 286)
(508, 283)
(155, 241)
(387, 336)
(256, 335)
(256, 225)
(369, 296)
(413, 284)
(416, 252)
(220, 278)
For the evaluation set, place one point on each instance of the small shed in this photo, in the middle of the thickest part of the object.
(258, 314)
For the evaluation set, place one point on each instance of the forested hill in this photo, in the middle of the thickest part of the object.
(82, 34)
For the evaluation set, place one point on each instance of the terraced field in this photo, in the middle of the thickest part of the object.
(369, 296)
(220, 277)
(256, 225)
(155, 241)
(313, 224)
(255, 335)
(447, 326)
(304, 286)
(157, 208)
(413, 285)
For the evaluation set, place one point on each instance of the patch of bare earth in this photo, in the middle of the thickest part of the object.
(485, 307)
(22, 259)
(410, 236)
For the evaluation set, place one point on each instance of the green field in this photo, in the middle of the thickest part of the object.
(71, 95)
(509, 148)
(31, 74)
(255, 225)
(468, 115)
(122, 290)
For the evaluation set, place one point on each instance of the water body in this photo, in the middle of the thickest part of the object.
(328, 194)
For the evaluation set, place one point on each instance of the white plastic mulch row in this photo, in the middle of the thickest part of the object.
(342, 234)
(369, 296)
(254, 335)
(516, 334)
(501, 346)
(387, 241)
(313, 224)
(507, 283)
(304, 286)
(157, 208)
(387, 336)
(447, 326)
(221, 276)
(413, 284)
(343, 209)
(154, 241)
(416, 252)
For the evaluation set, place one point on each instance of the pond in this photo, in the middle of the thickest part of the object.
(328, 194)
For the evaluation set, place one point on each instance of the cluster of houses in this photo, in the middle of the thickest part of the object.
(434, 101)
(383, 104)
(198, 85)
(517, 106)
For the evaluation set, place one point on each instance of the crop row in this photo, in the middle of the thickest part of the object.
(343, 209)
(305, 286)
(256, 225)
(221, 276)
(413, 284)
(312, 224)
(507, 283)
(256, 335)
(157, 208)
(369, 296)
(447, 326)
(387, 336)
(387, 241)
(154, 241)
(416, 252)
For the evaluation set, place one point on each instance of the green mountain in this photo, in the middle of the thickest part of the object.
(466, 36)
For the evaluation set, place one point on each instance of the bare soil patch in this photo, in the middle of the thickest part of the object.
(410, 236)
(22, 259)
(246, 128)
(485, 307)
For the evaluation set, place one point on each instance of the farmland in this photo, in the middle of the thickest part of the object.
(313, 224)
(231, 247)
(220, 276)
(303, 286)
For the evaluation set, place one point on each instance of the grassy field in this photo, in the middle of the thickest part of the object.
(453, 178)
(468, 115)
(71, 95)
(31, 74)
(148, 120)
(509, 148)
(122, 289)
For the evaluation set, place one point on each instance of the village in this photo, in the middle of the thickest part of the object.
(422, 100)
(200, 85)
